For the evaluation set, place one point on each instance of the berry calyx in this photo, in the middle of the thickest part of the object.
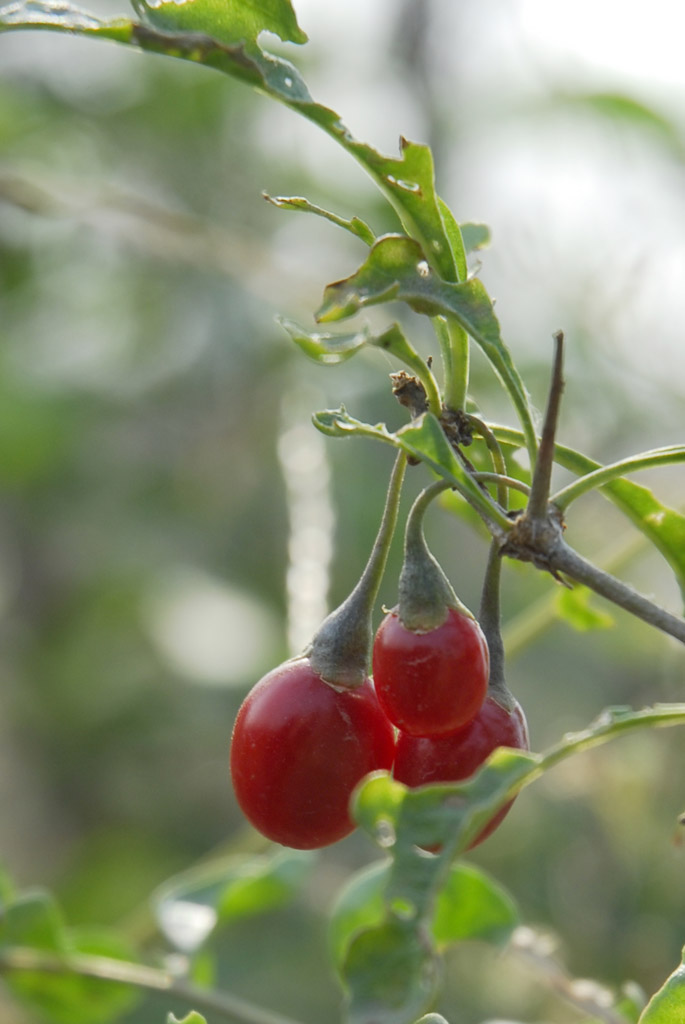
(420, 761)
(430, 657)
(299, 748)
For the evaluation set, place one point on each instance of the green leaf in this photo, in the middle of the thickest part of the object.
(34, 921)
(475, 236)
(396, 269)
(577, 607)
(391, 974)
(62, 17)
(193, 1018)
(423, 439)
(454, 236)
(229, 21)
(663, 526)
(355, 225)
(339, 423)
(619, 107)
(667, 1006)
(326, 349)
(472, 905)
(190, 906)
(469, 905)
(445, 817)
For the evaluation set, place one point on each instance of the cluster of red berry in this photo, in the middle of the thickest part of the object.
(312, 728)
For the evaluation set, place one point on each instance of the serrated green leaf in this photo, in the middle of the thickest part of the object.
(667, 1006)
(190, 906)
(229, 21)
(193, 1018)
(325, 349)
(355, 225)
(339, 423)
(577, 608)
(396, 269)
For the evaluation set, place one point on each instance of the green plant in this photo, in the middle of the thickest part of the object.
(391, 925)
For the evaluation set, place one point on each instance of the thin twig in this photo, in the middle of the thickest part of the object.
(23, 958)
(563, 558)
(542, 475)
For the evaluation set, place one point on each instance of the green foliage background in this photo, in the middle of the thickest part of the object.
(144, 387)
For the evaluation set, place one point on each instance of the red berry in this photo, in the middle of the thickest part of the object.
(431, 683)
(422, 760)
(299, 748)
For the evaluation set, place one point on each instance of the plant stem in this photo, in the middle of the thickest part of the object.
(538, 502)
(229, 1007)
(605, 474)
(496, 454)
(457, 384)
(340, 650)
(489, 617)
(564, 559)
(503, 482)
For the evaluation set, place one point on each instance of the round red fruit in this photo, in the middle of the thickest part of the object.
(431, 683)
(423, 760)
(299, 748)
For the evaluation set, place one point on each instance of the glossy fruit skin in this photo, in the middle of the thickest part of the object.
(422, 760)
(299, 748)
(432, 683)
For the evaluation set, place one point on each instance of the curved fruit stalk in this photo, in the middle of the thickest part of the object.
(430, 656)
(312, 728)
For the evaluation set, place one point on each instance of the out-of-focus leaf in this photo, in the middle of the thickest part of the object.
(577, 607)
(229, 21)
(62, 17)
(193, 1018)
(355, 225)
(475, 236)
(34, 921)
(391, 974)
(397, 269)
(663, 526)
(189, 906)
(667, 1006)
(469, 905)
(626, 110)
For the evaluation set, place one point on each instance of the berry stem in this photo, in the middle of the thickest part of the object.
(425, 593)
(340, 651)
(489, 617)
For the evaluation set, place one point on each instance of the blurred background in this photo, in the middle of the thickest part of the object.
(172, 526)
